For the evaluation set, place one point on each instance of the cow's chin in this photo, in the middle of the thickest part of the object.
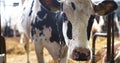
(81, 54)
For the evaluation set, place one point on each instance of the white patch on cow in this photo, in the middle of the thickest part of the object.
(41, 19)
(47, 32)
(97, 26)
(65, 32)
(117, 23)
(53, 48)
(36, 35)
(24, 21)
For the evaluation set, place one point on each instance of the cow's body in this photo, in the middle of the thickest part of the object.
(41, 31)
(46, 31)
(63, 33)
(8, 28)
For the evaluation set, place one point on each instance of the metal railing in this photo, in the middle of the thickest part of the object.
(110, 40)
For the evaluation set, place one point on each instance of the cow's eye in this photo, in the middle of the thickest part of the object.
(73, 5)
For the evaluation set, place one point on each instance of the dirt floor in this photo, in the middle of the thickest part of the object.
(16, 52)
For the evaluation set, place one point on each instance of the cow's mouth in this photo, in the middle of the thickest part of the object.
(81, 54)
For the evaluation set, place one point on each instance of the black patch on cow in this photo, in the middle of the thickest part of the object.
(33, 32)
(97, 18)
(43, 4)
(41, 33)
(73, 5)
(8, 32)
(42, 13)
(89, 27)
(69, 30)
(51, 21)
(60, 18)
(39, 24)
(30, 13)
(31, 8)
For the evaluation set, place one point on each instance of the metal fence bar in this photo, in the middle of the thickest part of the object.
(110, 50)
(94, 42)
(112, 56)
(109, 39)
(109, 19)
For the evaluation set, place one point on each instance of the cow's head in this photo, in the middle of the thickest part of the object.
(78, 13)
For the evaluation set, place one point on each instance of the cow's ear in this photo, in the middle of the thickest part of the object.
(51, 5)
(105, 7)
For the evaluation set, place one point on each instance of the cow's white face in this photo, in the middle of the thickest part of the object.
(78, 13)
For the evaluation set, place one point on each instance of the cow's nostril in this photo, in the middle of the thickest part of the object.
(76, 55)
(81, 56)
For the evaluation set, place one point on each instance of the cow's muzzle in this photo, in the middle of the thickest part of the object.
(81, 54)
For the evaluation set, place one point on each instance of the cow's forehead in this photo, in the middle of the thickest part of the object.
(79, 2)
(83, 8)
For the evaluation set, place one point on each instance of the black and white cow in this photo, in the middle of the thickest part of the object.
(100, 25)
(7, 22)
(62, 33)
